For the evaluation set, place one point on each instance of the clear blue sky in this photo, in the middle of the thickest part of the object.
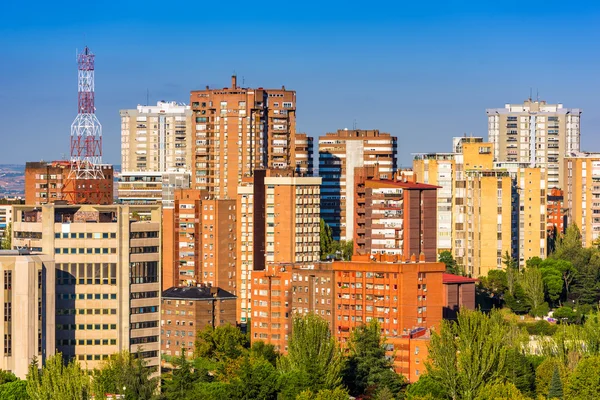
(424, 71)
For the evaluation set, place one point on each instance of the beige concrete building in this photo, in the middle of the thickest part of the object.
(156, 138)
(582, 194)
(536, 133)
(28, 330)
(339, 154)
(278, 222)
(237, 130)
(496, 206)
(107, 261)
(439, 169)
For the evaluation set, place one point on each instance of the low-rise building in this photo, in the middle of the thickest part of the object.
(187, 310)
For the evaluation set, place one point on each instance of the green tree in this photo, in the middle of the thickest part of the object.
(367, 368)
(16, 390)
(220, 344)
(519, 371)
(555, 391)
(447, 258)
(553, 278)
(584, 382)
(57, 380)
(425, 386)
(517, 301)
(326, 239)
(543, 375)
(126, 374)
(265, 350)
(533, 287)
(495, 282)
(7, 238)
(467, 353)
(180, 385)
(498, 390)
(256, 379)
(313, 354)
(324, 394)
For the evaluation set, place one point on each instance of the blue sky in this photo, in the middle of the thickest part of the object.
(424, 71)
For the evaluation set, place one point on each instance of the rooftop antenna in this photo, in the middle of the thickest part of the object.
(537, 94)
(354, 125)
(147, 96)
(243, 81)
(530, 93)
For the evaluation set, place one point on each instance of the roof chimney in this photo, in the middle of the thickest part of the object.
(422, 257)
(233, 82)
(414, 178)
(413, 258)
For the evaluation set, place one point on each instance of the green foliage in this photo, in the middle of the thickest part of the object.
(447, 258)
(584, 382)
(313, 354)
(325, 394)
(519, 371)
(264, 350)
(495, 282)
(467, 353)
(367, 368)
(183, 379)
(58, 381)
(220, 344)
(539, 328)
(326, 239)
(6, 243)
(256, 379)
(544, 373)
(517, 301)
(425, 386)
(127, 374)
(499, 390)
(555, 391)
(15, 390)
(565, 313)
(533, 287)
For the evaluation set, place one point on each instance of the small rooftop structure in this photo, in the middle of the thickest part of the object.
(197, 293)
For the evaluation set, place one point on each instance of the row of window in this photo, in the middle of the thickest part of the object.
(86, 296)
(85, 327)
(86, 342)
(144, 339)
(86, 235)
(86, 311)
(86, 250)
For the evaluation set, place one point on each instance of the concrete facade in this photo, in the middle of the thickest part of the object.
(107, 261)
(535, 133)
(29, 326)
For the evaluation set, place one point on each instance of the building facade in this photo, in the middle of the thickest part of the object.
(49, 182)
(199, 241)
(439, 169)
(304, 155)
(582, 194)
(555, 210)
(535, 133)
(107, 261)
(339, 154)
(6, 218)
(186, 311)
(237, 130)
(28, 330)
(156, 138)
(394, 216)
(278, 222)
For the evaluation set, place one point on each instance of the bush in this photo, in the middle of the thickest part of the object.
(565, 312)
(539, 328)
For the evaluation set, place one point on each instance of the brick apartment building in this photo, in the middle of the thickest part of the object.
(48, 183)
(555, 211)
(237, 130)
(199, 241)
(283, 290)
(187, 310)
(394, 216)
(278, 223)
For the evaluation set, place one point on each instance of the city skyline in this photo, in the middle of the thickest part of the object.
(390, 70)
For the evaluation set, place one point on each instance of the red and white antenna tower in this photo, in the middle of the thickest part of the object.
(86, 131)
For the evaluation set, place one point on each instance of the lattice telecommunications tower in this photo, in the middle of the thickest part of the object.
(86, 131)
